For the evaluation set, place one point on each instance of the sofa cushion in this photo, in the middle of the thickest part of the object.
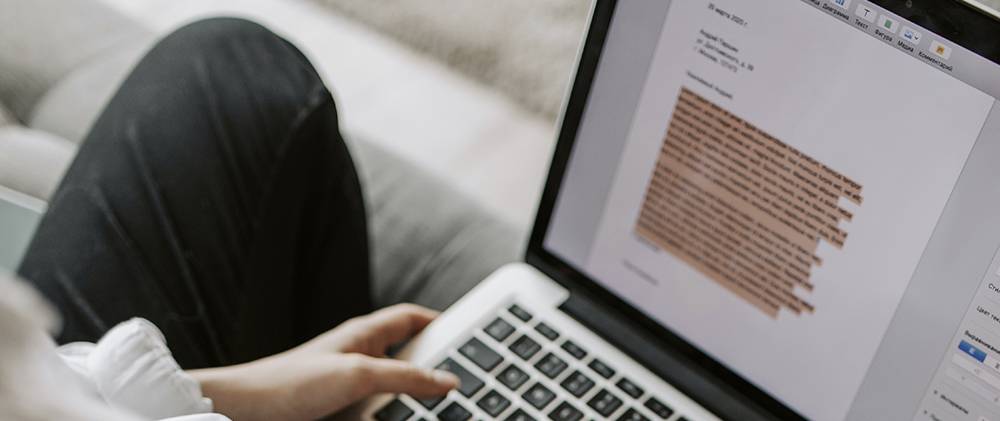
(72, 105)
(430, 244)
(32, 161)
(5, 118)
(43, 40)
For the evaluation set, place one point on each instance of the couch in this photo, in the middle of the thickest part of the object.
(61, 60)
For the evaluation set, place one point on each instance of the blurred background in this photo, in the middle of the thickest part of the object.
(460, 87)
(449, 107)
(463, 92)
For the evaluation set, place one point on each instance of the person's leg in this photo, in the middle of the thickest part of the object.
(215, 197)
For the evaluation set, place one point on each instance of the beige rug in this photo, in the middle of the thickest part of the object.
(525, 48)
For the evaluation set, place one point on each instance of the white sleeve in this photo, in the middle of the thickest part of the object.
(132, 369)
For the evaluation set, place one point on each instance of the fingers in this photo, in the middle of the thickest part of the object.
(400, 322)
(389, 326)
(394, 376)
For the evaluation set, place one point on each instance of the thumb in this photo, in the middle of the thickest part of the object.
(395, 376)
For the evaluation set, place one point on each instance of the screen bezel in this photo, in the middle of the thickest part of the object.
(964, 25)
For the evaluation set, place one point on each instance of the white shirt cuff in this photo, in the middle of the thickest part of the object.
(131, 368)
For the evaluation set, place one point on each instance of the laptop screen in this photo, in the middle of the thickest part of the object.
(804, 190)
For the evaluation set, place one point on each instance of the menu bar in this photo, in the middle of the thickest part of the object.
(920, 43)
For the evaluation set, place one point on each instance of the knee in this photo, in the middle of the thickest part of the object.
(213, 35)
(227, 76)
(222, 28)
(234, 48)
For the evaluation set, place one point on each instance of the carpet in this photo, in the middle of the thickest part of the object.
(525, 48)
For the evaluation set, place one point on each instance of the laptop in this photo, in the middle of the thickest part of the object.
(783, 209)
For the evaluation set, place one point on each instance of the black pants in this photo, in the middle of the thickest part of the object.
(215, 197)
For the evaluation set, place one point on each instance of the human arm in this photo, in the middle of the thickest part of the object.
(328, 373)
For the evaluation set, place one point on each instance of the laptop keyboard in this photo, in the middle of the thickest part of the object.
(539, 375)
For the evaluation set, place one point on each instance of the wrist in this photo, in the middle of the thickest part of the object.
(229, 396)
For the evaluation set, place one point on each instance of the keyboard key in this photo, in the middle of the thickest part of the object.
(538, 396)
(565, 412)
(499, 329)
(454, 412)
(547, 331)
(577, 384)
(519, 415)
(605, 403)
(493, 403)
(601, 368)
(550, 365)
(629, 388)
(659, 408)
(632, 415)
(525, 347)
(512, 377)
(519, 312)
(470, 384)
(574, 349)
(480, 354)
(394, 411)
(431, 403)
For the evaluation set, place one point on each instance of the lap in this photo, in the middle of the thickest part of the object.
(213, 196)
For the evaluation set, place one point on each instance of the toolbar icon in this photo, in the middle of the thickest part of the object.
(911, 35)
(940, 49)
(842, 3)
(888, 24)
(865, 12)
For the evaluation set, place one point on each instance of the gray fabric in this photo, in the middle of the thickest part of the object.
(43, 40)
(5, 118)
(430, 244)
(70, 107)
(32, 162)
(525, 48)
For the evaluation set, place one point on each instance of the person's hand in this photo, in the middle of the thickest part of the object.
(328, 373)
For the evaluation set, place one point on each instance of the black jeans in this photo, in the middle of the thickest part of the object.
(215, 197)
